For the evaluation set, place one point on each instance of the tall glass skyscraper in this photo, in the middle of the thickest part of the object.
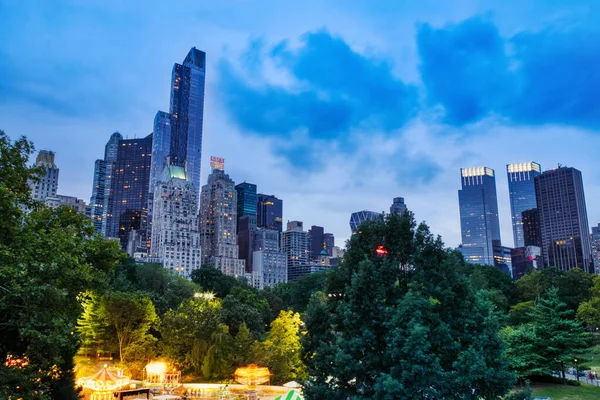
(246, 200)
(479, 223)
(269, 212)
(187, 113)
(521, 190)
(563, 219)
(359, 217)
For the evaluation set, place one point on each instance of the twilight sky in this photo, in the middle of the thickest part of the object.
(333, 106)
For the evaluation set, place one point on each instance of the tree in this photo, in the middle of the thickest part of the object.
(191, 331)
(49, 258)
(282, 348)
(296, 294)
(522, 355)
(213, 280)
(242, 349)
(244, 306)
(589, 311)
(407, 324)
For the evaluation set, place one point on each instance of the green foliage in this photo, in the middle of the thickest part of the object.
(243, 306)
(589, 311)
(243, 347)
(521, 394)
(407, 325)
(282, 349)
(213, 280)
(522, 354)
(164, 287)
(499, 284)
(48, 258)
(520, 312)
(295, 295)
(191, 335)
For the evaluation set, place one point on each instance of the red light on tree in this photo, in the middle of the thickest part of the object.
(530, 258)
(381, 251)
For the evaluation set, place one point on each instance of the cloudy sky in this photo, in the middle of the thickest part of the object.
(334, 106)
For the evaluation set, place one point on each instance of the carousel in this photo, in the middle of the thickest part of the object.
(252, 375)
(104, 383)
(158, 373)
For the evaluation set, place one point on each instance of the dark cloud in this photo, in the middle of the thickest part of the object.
(336, 90)
(531, 78)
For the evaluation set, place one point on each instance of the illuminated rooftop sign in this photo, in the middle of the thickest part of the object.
(524, 167)
(217, 162)
(476, 171)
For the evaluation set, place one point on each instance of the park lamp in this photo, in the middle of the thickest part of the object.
(205, 295)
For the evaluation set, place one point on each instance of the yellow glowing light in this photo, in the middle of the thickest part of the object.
(156, 368)
(252, 375)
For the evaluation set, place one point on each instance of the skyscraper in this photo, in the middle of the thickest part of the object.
(246, 220)
(329, 241)
(359, 217)
(269, 264)
(294, 243)
(315, 241)
(110, 157)
(48, 182)
(187, 113)
(175, 236)
(521, 190)
(563, 219)
(269, 212)
(246, 201)
(398, 206)
(97, 199)
(531, 228)
(595, 242)
(479, 223)
(129, 189)
(218, 217)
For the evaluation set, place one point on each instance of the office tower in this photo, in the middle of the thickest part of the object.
(97, 199)
(218, 216)
(269, 263)
(359, 217)
(315, 241)
(246, 220)
(175, 236)
(129, 189)
(294, 243)
(398, 206)
(329, 241)
(161, 145)
(246, 199)
(269, 212)
(531, 228)
(521, 190)
(479, 222)
(525, 259)
(110, 157)
(563, 219)
(187, 113)
(47, 184)
(595, 243)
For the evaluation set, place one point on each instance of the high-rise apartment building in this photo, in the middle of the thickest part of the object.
(187, 113)
(62, 200)
(329, 241)
(398, 206)
(47, 184)
(595, 243)
(269, 264)
(97, 199)
(521, 190)
(175, 236)
(359, 217)
(294, 243)
(563, 219)
(129, 189)
(479, 222)
(218, 217)
(316, 241)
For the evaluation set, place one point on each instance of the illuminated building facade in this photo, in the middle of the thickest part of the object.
(175, 236)
(359, 217)
(48, 182)
(97, 199)
(521, 190)
(479, 223)
(161, 145)
(563, 219)
(129, 189)
(218, 218)
(294, 243)
(269, 211)
(269, 264)
(187, 113)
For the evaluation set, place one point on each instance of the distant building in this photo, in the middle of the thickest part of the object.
(479, 223)
(525, 259)
(47, 184)
(503, 258)
(187, 113)
(269, 264)
(532, 236)
(315, 241)
(398, 206)
(359, 217)
(128, 195)
(175, 234)
(563, 219)
(218, 217)
(294, 243)
(97, 199)
(269, 212)
(161, 146)
(595, 242)
(246, 220)
(329, 241)
(62, 200)
(521, 190)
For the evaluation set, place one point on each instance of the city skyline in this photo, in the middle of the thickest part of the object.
(324, 179)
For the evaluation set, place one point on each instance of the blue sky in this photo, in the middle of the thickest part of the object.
(333, 106)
